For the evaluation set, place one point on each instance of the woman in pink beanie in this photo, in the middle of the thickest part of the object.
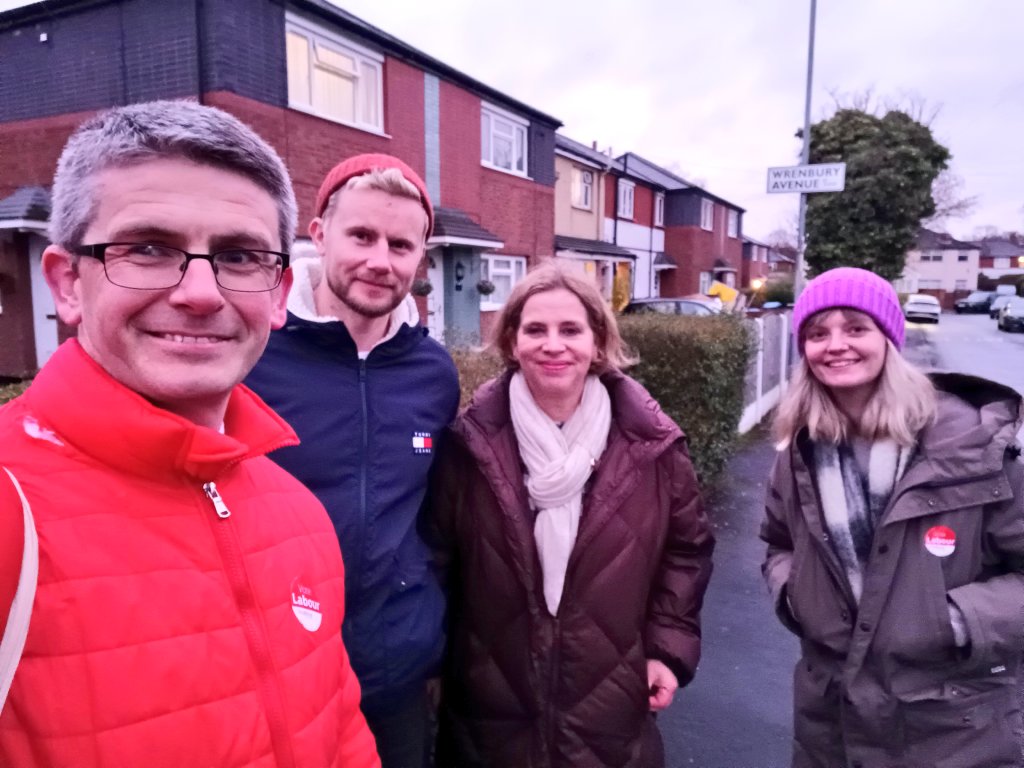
(895, 531)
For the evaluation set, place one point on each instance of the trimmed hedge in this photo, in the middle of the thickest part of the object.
(11, 391)
(693, 366)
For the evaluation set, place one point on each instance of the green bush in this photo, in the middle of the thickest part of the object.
(695, 368)
(780, 291)
(475, 366)
(11, 391)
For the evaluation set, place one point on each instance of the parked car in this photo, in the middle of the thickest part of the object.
(671, 307)
(1011, 316)
(998, 303)
(979, 301)
(921, 306)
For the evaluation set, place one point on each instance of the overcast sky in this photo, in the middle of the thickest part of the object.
(714, 90)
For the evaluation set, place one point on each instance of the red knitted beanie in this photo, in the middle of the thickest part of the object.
(360, 164)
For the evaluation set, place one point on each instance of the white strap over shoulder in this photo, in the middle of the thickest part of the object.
(13, 641)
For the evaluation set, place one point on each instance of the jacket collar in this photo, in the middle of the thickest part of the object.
(83, 406)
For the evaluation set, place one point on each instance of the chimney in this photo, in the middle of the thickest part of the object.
(594, 145)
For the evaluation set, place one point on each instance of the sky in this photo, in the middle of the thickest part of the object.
(714, 90)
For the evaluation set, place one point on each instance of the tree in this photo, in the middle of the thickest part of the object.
(892, 162)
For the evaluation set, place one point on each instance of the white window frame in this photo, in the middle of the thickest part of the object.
(929, 284)
(705, 280)
(1001, 262)
(659, 209)
(627, 193)
(707, 214)
(366, 62)
(492, 120)
(733, 220)
(492, 265)
(582, 188)
(960, 285)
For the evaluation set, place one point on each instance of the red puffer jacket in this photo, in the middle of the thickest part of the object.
(190, 592)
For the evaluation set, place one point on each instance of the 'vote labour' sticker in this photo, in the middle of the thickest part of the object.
(305, 606)
(940, 541)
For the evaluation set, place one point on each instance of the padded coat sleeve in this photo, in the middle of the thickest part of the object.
(776, 534)
(672, 635)
(994, 608)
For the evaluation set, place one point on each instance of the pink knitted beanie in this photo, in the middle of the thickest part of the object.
(852, 288)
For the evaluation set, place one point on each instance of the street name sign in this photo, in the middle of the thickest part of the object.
(821, 177)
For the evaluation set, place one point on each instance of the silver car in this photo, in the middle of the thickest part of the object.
(922, 307)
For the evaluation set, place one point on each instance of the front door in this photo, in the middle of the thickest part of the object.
(44, 314)
(435, 299)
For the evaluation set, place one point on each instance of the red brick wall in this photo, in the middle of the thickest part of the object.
(18, 350)
(29, 149)
(695, 250)
(643, 206)
(311, 146)
(518, 210)
(752, 270)
(610, 183)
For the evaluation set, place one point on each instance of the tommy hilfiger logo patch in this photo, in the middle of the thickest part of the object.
(422, 442)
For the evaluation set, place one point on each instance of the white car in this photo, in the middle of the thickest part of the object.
(921, 306)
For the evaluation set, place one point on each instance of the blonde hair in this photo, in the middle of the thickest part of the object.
(612, 352)
(388, 180)
(902, 404)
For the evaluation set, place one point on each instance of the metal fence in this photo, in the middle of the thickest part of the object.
(769, 369)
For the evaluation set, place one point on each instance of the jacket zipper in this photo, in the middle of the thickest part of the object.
(553, 687)
(259, 644)
(363, 511)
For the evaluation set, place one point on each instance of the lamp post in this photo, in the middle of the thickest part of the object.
(798, 278)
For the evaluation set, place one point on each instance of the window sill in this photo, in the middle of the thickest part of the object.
(506, 171)
(587, 208)
(355, 126)
(490, 306)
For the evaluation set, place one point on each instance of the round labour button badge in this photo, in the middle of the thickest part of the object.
(940, 541)
(305, 606)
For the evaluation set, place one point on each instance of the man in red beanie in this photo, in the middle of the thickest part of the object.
(368, 393)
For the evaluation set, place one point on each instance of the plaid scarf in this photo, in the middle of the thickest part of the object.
(853, 504)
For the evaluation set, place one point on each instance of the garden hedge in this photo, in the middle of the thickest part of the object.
(693, 366)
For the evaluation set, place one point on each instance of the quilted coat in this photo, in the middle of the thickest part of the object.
(190, 591)
(882, 684)
(524, 689)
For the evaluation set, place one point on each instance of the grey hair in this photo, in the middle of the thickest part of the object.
(134, 134)
(389, 180)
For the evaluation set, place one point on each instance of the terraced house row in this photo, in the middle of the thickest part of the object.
(321, 84)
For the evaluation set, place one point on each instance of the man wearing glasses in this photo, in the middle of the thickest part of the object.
(368, 392)
(189, 592)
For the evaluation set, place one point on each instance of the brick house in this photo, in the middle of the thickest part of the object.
(940, 265)
(320, 85)
(1002, 258)
(581, 194)
(701, 232)
(755, 262)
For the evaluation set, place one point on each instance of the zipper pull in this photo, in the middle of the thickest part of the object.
(218, 503)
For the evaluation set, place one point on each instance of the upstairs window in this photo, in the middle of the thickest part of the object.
(582, 188)
(332, 77)
(659, 209)
(626, 190)
(734, 224)
(707, 215)
(503, 140)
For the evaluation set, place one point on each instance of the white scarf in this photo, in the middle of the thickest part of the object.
(558, 464)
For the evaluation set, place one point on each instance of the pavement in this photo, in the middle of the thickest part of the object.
(737, 711)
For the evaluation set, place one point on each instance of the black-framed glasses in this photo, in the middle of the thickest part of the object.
(150, 266)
